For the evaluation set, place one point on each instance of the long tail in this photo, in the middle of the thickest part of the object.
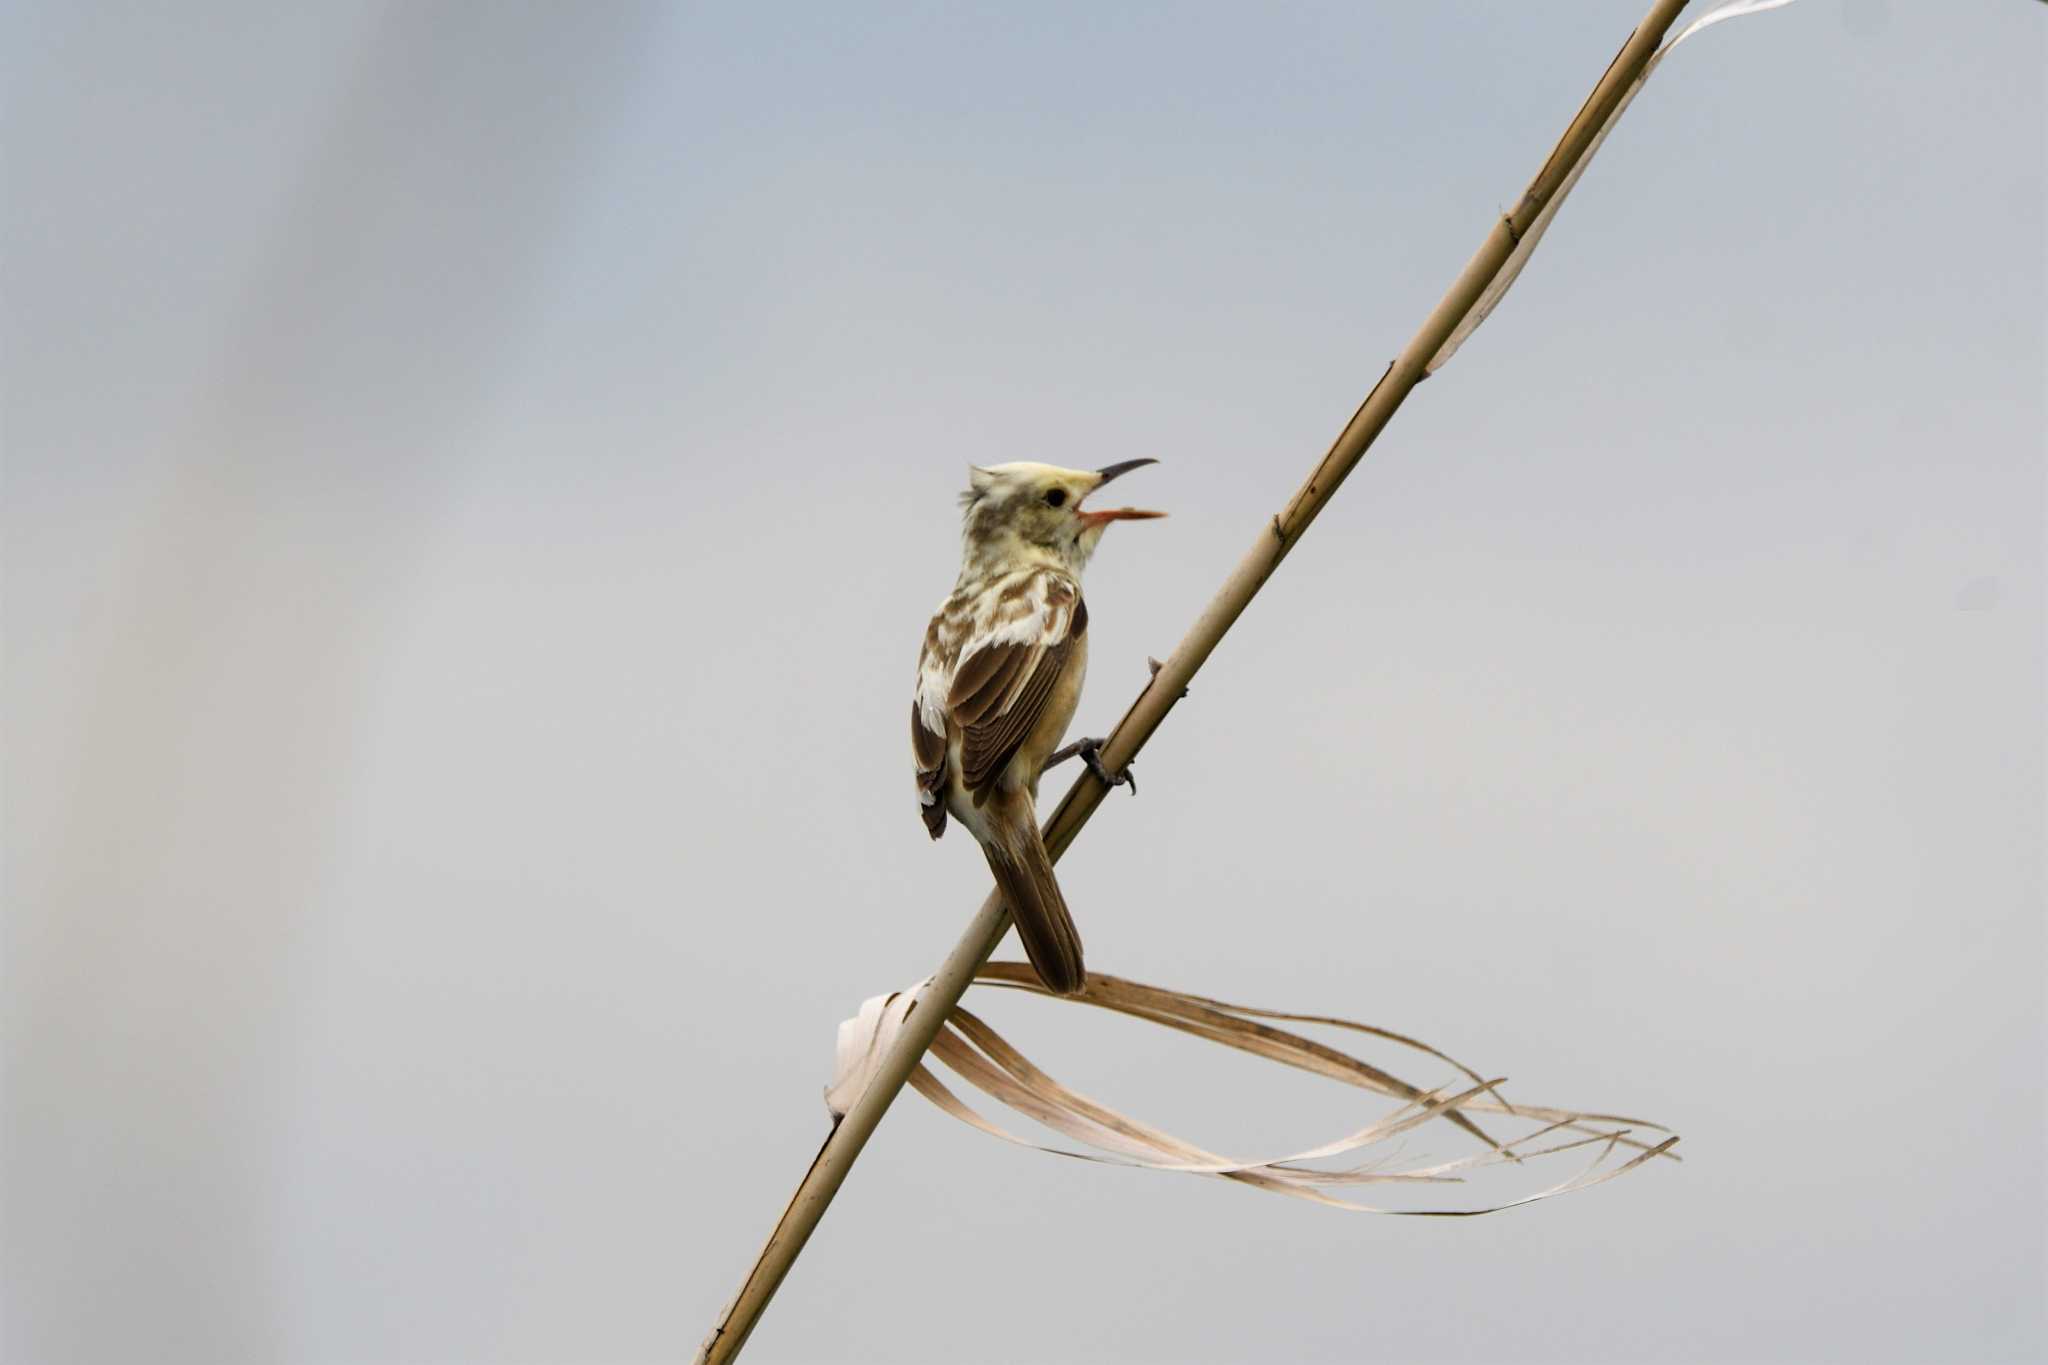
(1018, 859)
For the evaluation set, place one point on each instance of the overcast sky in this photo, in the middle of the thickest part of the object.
(476, 478)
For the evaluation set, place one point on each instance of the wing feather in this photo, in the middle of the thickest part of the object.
(990, 662)
(987, 676)
(930, 752)
(988, 745)
(1000, 690)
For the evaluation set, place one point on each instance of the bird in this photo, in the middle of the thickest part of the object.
(998, 679)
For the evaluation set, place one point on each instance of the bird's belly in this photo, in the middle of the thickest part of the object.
(1058, 715)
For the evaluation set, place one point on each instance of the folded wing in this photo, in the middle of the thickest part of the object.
(989, 665)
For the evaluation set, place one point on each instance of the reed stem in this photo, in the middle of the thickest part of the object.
(1275, 539)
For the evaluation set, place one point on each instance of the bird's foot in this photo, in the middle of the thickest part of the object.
(1091, 754)
(1089, 751)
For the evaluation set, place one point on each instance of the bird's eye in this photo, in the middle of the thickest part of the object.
(1056, 498)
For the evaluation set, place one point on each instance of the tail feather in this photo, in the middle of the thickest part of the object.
(1024, 872)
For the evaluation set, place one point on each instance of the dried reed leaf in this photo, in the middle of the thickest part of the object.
(981, 1057)
(1497, 289)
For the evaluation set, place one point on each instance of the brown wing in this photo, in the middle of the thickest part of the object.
(999, 694)
(930, 752)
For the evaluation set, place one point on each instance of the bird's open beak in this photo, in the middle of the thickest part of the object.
(1109, 514)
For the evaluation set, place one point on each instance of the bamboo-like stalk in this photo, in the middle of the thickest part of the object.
(843, 1145)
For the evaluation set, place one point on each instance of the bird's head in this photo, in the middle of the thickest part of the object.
(1036, 512)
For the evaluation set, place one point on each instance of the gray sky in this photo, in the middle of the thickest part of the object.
(475, 480)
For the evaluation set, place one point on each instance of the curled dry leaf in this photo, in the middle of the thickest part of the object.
(1497, 289)
(1510, 1133)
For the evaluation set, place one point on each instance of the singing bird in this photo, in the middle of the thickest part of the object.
(999, 677)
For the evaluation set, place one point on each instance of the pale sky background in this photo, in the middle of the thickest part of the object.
(475, 479)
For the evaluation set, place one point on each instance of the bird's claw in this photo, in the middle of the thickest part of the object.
(1090, 751)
